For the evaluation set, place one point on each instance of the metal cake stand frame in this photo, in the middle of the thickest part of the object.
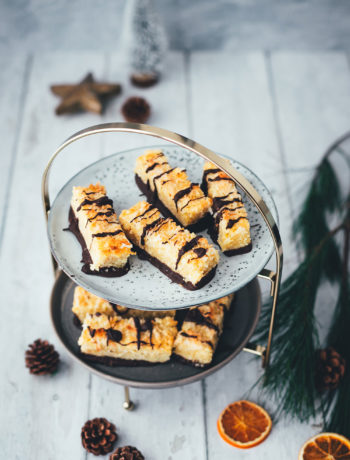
(274, 277)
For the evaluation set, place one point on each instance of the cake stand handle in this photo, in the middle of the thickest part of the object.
(261, 350)
(208, 155)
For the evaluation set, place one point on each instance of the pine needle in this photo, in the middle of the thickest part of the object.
(290, 378)
(337, 416)
(311, 226)
(338, 402)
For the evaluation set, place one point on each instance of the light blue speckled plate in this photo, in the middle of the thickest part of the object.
(144, 286)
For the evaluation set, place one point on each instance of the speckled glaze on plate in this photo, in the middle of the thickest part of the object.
(144, 286)
(240, 324)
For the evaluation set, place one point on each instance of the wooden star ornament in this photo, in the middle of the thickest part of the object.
(88, 95)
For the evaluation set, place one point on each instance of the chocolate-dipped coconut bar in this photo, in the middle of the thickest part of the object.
(116, 340)
(93, 221)
(230, 226)
(171, 191)
(198, 337)
(186, 258)
(85, 303)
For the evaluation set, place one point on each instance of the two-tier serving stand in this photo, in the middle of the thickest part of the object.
(62, 290)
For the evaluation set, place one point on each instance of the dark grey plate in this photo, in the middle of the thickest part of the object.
(239, 326)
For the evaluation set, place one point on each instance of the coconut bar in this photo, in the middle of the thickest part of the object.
(171, 191)
(230, 227)
(94, 222)
(200, 332)
(116, 340)
(184, 257)
(85, 303)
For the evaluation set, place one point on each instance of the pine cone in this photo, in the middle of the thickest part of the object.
(330, 369)
(136, 110)
(98, 436)
(41, 358)
(126, 453)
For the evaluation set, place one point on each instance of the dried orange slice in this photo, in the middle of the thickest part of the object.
(326, 446)
(244, 424)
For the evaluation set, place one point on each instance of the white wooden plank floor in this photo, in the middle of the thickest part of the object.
(13, 79)
(274, 112)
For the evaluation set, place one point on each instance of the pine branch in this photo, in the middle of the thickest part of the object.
(290, 379)
(310, 227)
(337, 416)
(337, 403)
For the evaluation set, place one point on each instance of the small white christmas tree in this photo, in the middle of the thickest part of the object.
(147, 39)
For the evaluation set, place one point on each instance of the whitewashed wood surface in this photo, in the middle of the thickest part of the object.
(276, 113)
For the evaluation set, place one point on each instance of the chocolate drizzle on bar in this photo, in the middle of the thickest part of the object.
(172, 236)
(218, 178)
(188, 335)
(232, 222)
(187, 247)
(152, 197)
(183, 193)
(190, 201)
(116, 309)
(108, 213)
(138, 332)
(154, 165)
(200, 252)
(195, 316)
(206, 172)
(219, 214)
(143, 214)
(160, 175)
(103, 234)
(113, 335)
(102, 201)
(220, 201)
(148, 228)
(210, 171)
(184, 334)
(145, 326)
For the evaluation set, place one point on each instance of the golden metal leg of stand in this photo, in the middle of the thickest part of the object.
(127, 404)
(258, 350)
